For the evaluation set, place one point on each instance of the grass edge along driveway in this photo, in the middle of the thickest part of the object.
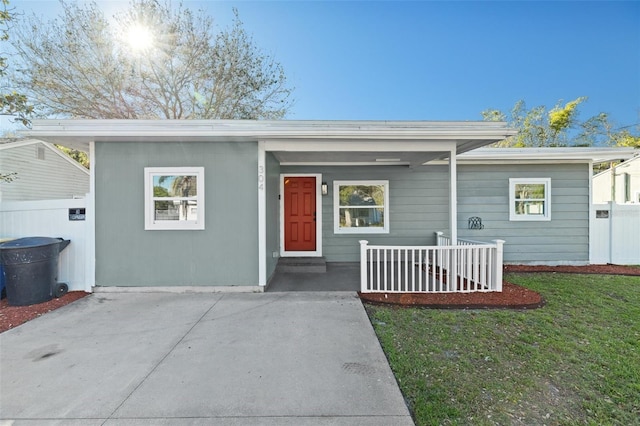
(574, 361)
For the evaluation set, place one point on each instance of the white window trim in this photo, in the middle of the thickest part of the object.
(354, 230)
(512, 199)
(149, 223)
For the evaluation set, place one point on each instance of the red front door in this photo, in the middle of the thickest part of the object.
(299, 213)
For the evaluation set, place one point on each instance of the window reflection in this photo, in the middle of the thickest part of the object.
(175, 197)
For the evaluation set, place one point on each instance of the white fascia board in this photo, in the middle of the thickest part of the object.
(253, 130)
(270, 125)
(546, 155)
(354, 146)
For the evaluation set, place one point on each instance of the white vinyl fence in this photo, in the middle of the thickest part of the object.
(55, 218)
(615, 234)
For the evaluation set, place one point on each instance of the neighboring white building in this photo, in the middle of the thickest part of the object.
(43, 172)
(620, 184)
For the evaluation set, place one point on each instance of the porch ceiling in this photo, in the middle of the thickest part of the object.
(358, 158)
(370, 152)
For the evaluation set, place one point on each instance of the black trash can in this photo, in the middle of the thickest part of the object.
(30, 268)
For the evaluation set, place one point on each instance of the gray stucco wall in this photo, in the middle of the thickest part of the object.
(225, 253)
(418, 206)
(483, 190)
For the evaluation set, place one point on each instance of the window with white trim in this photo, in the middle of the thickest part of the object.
(530, 199)
(173, 198)
(361, 207)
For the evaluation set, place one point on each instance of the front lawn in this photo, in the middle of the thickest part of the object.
(574, 361)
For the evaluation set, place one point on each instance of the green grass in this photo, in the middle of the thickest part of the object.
(574, 361)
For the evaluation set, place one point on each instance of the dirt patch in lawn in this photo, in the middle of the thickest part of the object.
(13, 316)
(512, 296)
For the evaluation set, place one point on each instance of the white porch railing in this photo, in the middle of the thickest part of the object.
(464, 268)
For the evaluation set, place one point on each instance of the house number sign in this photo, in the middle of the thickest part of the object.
(261, 178)
(76, 214)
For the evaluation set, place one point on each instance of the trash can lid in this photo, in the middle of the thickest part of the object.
(30, 242)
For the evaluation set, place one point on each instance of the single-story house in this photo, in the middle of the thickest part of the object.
(42, 172)
(620, 183)
(217, 203)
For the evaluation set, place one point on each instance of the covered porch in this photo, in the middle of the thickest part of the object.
(417, 163)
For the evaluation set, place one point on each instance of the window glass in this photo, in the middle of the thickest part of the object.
(360, 206)
(530, 199)
(173, 198)
(527, 196)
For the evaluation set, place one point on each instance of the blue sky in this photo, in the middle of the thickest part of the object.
(430, 60)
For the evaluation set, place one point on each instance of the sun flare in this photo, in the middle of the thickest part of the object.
(139, 37)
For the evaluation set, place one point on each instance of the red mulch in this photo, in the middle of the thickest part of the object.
(512, 296)
(13, 316)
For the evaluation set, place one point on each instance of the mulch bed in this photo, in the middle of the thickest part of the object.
(512, 296)
(13, 316)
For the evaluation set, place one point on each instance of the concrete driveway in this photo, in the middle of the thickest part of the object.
(229, 359)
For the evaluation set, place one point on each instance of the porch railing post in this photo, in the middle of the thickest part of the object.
(363, 265)
(439, 238)
(498, 265)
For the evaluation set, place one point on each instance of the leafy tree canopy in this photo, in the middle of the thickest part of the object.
(152, 60)
(11, 102)
(560, 126)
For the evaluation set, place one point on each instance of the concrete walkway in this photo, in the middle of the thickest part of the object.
(198, 359)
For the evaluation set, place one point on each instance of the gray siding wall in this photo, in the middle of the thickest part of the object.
(225, 253)
(483, 191)
(419, 205)
(273, 209)
(40, 179)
